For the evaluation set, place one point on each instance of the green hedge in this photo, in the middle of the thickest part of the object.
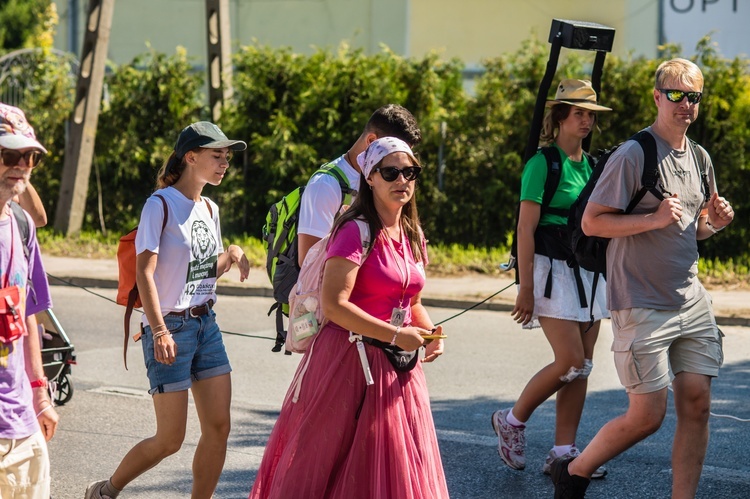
(297, 112)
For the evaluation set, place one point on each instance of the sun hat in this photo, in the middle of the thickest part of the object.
(207, 135)
(379, 149)
(576, 93)
(15, 131)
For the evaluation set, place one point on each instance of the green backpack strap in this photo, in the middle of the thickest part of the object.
(346, 191)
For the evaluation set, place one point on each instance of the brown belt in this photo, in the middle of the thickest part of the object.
(195, 311)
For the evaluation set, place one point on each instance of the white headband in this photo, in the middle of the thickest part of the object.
(378, 150)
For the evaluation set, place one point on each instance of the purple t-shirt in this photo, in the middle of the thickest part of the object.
(38, 297)
(380, 280)
(17, 418)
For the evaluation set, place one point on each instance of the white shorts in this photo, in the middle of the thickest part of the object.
(24, 467)
(564, 302)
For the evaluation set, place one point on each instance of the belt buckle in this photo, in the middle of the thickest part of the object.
(192, 310)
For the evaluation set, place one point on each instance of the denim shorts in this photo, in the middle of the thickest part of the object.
(200, 353)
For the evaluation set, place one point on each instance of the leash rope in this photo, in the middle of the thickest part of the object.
(68, 283)
(474, 306)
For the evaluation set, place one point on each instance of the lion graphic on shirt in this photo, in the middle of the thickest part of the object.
(202, 241)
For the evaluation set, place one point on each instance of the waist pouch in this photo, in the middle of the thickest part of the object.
(399, 359)
(12, 325)
(553, 241)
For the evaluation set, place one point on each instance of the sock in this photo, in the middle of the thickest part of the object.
(560, 450)
(513, 421)
(109, 490)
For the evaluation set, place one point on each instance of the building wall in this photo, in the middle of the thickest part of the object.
(299, 24)
(477, 29)
(468, 29)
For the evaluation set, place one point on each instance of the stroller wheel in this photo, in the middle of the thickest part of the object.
(64, 390)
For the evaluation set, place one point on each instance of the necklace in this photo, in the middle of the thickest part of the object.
(349, 159)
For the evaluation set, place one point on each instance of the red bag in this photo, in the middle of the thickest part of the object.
(12, 323)
(127, 288)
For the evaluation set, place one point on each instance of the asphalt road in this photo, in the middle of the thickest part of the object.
(488, 361)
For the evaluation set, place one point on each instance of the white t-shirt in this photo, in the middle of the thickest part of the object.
(322, 199)
(188, 249)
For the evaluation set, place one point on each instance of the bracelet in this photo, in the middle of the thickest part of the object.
(398, 330)
(712, 228)
(160, 327)
(40, 383)
(44, 410)
(159, 334)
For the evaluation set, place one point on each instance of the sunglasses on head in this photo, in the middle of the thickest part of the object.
(11, 157)
(391, 173)
(678, 95)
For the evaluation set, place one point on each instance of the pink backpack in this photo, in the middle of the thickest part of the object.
(305, 313)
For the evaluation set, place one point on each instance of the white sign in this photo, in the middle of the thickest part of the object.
(687, 21)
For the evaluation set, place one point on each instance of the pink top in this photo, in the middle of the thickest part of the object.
(380, 280)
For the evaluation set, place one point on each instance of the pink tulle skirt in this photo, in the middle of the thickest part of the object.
(344, 439)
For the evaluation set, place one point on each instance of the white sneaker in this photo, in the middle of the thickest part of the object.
(94, 490)
(511, 440)
(600, 472)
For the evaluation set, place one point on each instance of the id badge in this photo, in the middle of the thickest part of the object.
(397, 316)
(305, 326)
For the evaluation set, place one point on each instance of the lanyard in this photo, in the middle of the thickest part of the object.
(403, 273)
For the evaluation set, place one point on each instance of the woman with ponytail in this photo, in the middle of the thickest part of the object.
(179, 258)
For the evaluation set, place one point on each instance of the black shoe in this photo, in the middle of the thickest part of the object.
(567, 486)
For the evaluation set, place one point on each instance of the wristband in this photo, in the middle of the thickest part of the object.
(712, 228)
(398, 330)
(40, 383)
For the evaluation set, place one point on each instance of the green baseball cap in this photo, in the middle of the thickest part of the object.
(207, 135)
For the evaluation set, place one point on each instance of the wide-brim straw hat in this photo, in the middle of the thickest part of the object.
(576, 93)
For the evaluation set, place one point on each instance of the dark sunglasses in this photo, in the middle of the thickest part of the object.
(678, 95)
(11, 157)
(391, 173)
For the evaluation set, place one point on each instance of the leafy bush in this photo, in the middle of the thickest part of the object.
(297, 112)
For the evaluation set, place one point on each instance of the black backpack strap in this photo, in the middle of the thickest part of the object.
(702, 167)
(133, 295)
(23, 226)
(650, 176)
(554, 172)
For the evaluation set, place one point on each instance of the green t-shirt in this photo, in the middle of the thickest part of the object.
(573, 178)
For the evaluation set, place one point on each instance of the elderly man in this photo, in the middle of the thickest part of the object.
(27, 419)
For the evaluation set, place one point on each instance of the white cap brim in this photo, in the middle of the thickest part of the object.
(14, 141)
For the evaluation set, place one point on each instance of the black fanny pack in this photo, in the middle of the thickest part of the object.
(399, 359)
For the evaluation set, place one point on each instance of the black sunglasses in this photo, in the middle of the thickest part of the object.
(678, 95)
(391, 173)
(11, 157)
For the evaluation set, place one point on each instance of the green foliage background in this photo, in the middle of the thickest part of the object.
(297, 112)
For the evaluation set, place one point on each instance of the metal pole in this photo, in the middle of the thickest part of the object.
(79, 149)
(219, 55)
(596, 83)
(541, 99)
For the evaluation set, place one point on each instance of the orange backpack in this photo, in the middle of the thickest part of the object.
(127, 287)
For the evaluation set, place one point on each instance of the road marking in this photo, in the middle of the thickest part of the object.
(466, 438)
(723, 474)
(122, 392)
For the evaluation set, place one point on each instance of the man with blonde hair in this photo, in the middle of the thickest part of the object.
(662, 320)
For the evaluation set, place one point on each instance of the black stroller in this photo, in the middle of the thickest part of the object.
(57, 356)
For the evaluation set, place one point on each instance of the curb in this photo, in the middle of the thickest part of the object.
(259, 291)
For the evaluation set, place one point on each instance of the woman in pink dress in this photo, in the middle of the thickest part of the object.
(341, 433)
